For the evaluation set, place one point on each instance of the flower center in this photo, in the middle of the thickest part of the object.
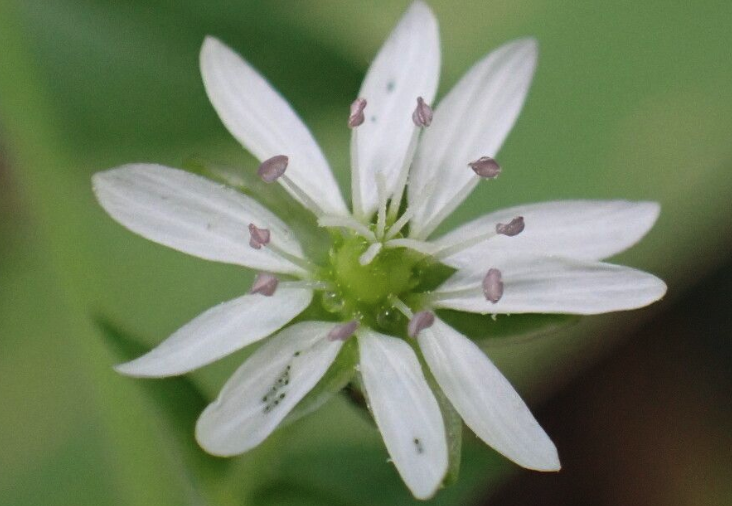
(392, 272)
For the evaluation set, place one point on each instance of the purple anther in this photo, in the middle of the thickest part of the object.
(422, 115)
(515, 227)
(356, 117)
(420, 321)
(486, 167)
(271, 169)
(264, 284)
(493, 286)
(258, 236)
(343, 332)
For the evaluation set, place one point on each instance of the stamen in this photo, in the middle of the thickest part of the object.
(293, 259)
(426, 248)
(445, 211)
(368, 256)
(493, 285)
(343, 332)
(356, 175)
(401, 306)
(515, 227)
(422, 115)
(396, 198)
(410, 210)
(381, 212)
(349, 223)
(420, 321)
(356, 118)
(486, 167)
(450, 250)
(258, 236)
(304, 197)
(310, 284)
(271, 169)
(264, 284)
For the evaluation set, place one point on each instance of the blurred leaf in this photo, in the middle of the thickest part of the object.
(506, 329)
(290, 494)
(358, 474)
(338, 376)
(177, 400)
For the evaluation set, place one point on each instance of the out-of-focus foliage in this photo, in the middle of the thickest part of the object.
(631, 100)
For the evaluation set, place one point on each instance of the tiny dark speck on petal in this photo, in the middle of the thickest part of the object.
(373, 119)
(390, 86)
(418, 445)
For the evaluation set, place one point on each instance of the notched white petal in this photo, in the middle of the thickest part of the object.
(406, 67)
(470, 123)
(194, 215)
(405, 411)
(485, 399)
(265, 124)
(582, 229)
(220, 331)
(535, 284)
(266, 387)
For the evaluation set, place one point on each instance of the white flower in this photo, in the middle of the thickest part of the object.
(539, 258)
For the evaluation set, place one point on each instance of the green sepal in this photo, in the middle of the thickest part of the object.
(517, 327)
(453, 433)
(338, 376)
(177, 401)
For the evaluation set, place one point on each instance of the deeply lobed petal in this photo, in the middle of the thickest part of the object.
(265, 124)
(219, 332)
(472, 121)
(407, 67)
(405, 411)
(536, 284)
(485, 399)
(266, 387)
(194, 215)
(582, 229)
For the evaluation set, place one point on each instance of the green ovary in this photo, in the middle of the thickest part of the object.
(392, 272)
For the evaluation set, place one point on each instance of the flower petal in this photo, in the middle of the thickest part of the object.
(220, 331)
(194, 215)
(485, 399)
(472, 121)
(265, 124)
(405, 410)
(582, 229)
(266, 387)
(534, 284)
(407, 67)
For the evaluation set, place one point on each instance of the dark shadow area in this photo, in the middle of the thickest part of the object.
(652, 424)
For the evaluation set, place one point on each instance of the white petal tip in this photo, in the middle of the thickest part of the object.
(207, 444)
(544, 457)
(210, 42)
(133, 370)
(529, 44)
(550, 464)
(420, 6)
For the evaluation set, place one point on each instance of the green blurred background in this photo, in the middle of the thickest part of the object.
(632, 99)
